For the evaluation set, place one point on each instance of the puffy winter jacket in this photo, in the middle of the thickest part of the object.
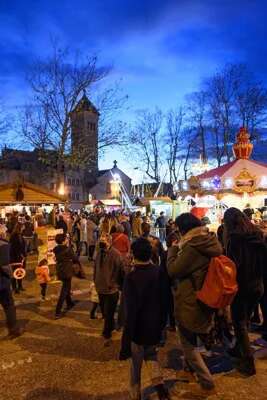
(189, 266)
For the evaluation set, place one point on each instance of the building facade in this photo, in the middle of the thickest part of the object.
(76, 179)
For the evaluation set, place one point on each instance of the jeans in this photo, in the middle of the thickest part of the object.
(150, 356)
(193, 358)
(242, 308)
(108, 304)
(28, 243)
(16, 284)
(7, 302)
(43, 289)
(64, 295)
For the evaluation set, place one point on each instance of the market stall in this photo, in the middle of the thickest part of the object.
(240, 183)
(29, 198)
(155, 205)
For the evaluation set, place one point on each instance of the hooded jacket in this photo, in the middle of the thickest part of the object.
(189, 265)
(65, 259)
(108, 271)
(249, 252)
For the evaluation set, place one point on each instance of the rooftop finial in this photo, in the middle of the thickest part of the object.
(243, 147)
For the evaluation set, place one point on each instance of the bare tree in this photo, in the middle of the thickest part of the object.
(197, 103)
(57, 85)
(173, 140)
(146, 142)
(222, 89)
(112, 131)
(34, 126)
(251, 104)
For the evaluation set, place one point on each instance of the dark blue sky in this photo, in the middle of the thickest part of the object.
(161, 49)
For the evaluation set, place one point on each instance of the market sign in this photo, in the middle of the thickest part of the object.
(245, 182)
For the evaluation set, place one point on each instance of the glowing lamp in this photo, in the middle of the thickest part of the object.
(61, 189)
(263, 182)
(228, 183)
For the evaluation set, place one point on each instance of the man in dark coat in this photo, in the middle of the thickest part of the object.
(65, 258)
(6, 299)
(145, 318)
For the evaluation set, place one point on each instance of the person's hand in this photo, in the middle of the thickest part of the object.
(175, 243)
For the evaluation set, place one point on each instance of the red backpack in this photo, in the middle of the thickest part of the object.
(220, 285)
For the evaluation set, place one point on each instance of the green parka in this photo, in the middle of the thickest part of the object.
(189, 266)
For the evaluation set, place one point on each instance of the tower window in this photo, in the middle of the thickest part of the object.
(91, 126)
(73, 181)
(69, 181)
(77, 196)
(77, 182)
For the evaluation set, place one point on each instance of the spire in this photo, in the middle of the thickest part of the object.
(242, 149)
(84, 104)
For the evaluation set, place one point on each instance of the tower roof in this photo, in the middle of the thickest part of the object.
(84, 104)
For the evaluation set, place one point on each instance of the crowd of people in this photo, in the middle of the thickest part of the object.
(151, 283)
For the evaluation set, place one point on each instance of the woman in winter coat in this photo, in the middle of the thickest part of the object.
(121, 242)
(245, 245)
(188, 263)
(17, 254)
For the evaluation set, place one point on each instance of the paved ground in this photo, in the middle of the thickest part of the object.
(66, 359)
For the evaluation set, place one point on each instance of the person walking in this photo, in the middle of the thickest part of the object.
(6, 299)
(145, 319)
(28, 232)
(244, 244)
(91, 237)
(188, 262)
(161, 224)
(121, 242)
(17, 255)
(65, 258)
(61, 224)
(43, 277)
(157, 247)
(137, 225)
(108, 279)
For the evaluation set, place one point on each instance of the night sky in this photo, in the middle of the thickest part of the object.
(161, 49)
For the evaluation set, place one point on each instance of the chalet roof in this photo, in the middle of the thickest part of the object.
(32, 194)
(84, 104)
(219, 171)
(232, 168)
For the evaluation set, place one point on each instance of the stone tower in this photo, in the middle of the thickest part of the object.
(84, 137)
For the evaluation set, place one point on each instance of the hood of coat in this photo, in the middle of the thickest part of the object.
(204, 242)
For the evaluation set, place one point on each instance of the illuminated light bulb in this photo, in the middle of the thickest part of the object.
(263, 181)
(228, 182)
(206, 184)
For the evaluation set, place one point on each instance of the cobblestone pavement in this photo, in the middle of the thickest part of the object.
(66, 358)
